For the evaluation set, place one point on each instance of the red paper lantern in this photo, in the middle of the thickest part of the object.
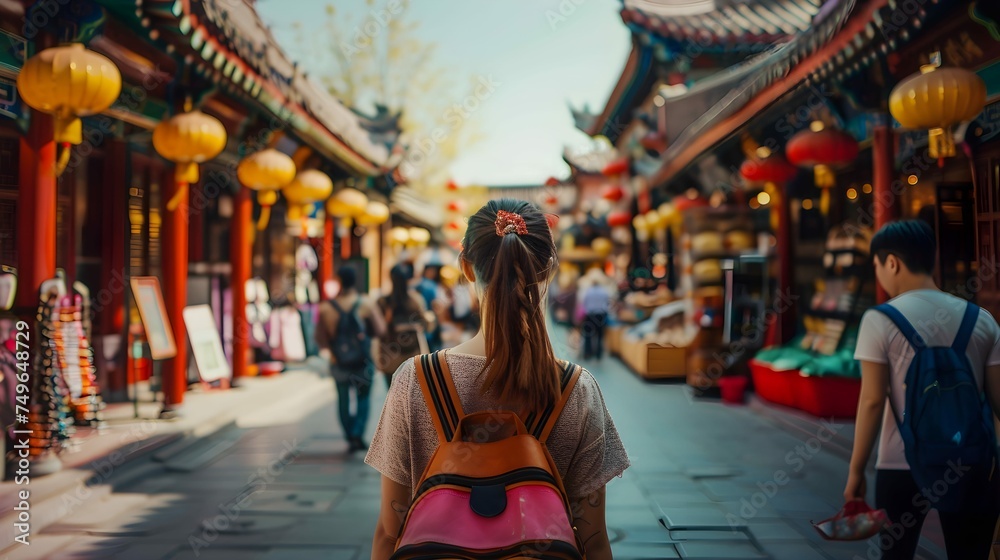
(682, 203)
(822, 150)
(552, 182)
(614, 193)
(616, 167)
(552, 220)
(451, 185)
(654, 142)
(619, 218)
(773, 169)
(456, 206)
(454, 225)
(551, 200)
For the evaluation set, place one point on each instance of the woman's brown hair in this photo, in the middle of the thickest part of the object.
(514, 266)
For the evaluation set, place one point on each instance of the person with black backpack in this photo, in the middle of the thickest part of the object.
(930, 367)
(347, 324)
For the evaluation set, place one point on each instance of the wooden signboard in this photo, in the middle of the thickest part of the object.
(149, 300)
(206, 344)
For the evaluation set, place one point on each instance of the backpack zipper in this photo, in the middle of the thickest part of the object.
(939, 388)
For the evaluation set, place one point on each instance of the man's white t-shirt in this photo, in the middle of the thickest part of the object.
(936, 316)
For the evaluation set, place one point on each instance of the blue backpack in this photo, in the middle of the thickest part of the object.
(947, 424)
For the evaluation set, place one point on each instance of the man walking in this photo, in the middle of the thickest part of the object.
(344, 333)
(595, 301)
(954, 350)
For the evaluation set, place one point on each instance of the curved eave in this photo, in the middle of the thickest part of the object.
(628, 93)
(265, 92)
(685, 154)
(760, 21)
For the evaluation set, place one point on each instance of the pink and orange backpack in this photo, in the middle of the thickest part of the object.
(491, 489)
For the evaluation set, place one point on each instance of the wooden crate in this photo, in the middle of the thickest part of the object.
(653, 361)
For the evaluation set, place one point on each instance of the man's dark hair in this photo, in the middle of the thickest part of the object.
(911, 241)
(348, 277)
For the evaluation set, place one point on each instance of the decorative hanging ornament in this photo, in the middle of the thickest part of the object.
(69, 82)
(773, 169)
(265, 172)
(613, 193)
(936, 99)
(822, 149)
(188, 139)
(619, 218)
(617, 166)
(309, 187)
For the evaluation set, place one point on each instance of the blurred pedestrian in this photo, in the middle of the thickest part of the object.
(594, 302)
(508, 365)
(921, 340)
(407, 323)
(436, 298)
(344, 332)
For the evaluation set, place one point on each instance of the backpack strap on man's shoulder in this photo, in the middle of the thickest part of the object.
(547, 421)
(439, 391)
(336, 306)
(969, 320)
(904, 326)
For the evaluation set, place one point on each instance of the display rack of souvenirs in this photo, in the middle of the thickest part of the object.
(50, 414)
(74, 359)
(682, 336)
(817, 371)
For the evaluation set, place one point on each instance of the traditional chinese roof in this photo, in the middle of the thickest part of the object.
(845, 36)
(722, 21)
(228, 41)
(590, 161)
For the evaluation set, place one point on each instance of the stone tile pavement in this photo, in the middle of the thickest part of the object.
(707, 481)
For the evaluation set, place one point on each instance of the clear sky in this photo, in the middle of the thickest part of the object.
(542, 54)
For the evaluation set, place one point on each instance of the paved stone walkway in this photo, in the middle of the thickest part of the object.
(708, 481)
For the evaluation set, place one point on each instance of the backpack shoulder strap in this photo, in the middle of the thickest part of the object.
(440, 394)
(570, 374)
(969, 320)
(356, 306)
(904, 326)
(336, 306)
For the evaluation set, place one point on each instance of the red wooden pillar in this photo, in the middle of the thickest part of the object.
(113, 275)
(175, 275)
(241, 249)
(886, 203)
(325, 272)
(36, 211)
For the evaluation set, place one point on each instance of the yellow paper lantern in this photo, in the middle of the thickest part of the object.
(935, 99)
(602, 246)
(419, 236)
(347, 203)
(188, 139)
(652, 221)
(399, 236)
(266, 171)
(376, 214)
(69, 82)
(309, 186)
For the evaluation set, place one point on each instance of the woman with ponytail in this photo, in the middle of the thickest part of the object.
(509, 255)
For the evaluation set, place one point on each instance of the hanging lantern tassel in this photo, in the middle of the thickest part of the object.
(181, 194)
(63, 162)
(824, 201)
(266, 200)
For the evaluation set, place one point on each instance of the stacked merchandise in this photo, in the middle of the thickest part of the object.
(49, 413)
(75, 359)
(710, 237)
(822, 359)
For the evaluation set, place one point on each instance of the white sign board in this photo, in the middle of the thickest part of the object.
(206, 344)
